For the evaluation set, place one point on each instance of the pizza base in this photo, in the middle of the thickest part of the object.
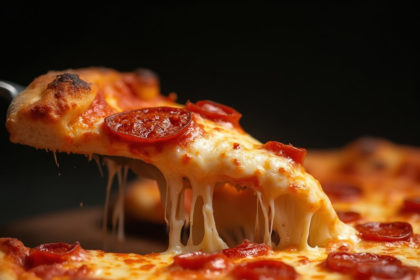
(65, 111)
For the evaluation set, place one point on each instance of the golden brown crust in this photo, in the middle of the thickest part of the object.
(98, 91)
(144, 83)
(62, 108)
(209, 146)
(66, 91)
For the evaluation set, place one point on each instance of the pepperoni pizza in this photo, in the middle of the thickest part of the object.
(254, 212)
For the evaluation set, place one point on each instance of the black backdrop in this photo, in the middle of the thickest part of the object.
(317, 76)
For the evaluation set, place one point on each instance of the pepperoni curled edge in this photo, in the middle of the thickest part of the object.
(247, 249)
(289, 151)
(386, 232)
(215, 111)
(47, 260)
(50, 253)
(201, 261)
(149, 125)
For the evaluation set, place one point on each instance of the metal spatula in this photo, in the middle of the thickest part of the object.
(9, 90)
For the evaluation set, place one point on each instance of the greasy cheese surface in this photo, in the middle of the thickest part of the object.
(385, 173)
(236, 192)
(309, 264)
(65, 112)
(127, 266)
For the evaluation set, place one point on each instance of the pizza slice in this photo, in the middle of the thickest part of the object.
(198, 147)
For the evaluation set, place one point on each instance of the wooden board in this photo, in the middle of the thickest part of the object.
(85, 225)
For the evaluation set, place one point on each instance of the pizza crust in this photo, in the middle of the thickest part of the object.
(65, 111)
(48, 114)
(238, 188)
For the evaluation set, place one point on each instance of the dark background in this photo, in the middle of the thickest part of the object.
(317, 76)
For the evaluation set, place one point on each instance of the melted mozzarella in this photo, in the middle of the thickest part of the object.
(288, 206)
(127, 266)
(115, 169)
(307, 263)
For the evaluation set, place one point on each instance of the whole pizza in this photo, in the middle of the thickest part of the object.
(235, 208)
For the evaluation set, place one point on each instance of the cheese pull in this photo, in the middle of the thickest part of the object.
(240, 188)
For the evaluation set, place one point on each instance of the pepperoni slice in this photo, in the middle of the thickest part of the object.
(387, 271)
(347, 262)
(348, 216)
(201, 261)
(289, 151)
(247, 249)
(388, 232)
(264, 269)
(344, 191)
(149, 125)
(215, 111)
(53, 253)
(412, 204)
(369, 266)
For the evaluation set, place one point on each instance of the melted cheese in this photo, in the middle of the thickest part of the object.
(307, 263)
(55, 159)
(115, 169)
(275, 200)
(289, 204)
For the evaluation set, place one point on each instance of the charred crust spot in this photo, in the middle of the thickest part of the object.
(58, 97)
(68, 81)
(41, 111)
